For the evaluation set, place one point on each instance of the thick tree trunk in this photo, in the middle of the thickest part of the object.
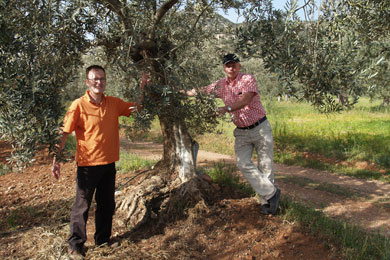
(171, 188)
(172, 185)
(178, 153)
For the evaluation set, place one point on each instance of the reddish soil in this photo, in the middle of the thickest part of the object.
(35, 208)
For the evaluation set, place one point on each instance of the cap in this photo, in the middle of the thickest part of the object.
(230, 58)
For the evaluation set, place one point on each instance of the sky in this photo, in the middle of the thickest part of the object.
(278, 4)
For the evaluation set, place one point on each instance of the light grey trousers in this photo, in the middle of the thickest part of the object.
(260, 177)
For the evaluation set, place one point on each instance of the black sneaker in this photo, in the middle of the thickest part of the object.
(272, 206)
(274, 202)
(265, 209)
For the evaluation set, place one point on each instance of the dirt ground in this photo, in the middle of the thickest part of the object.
(35, 208)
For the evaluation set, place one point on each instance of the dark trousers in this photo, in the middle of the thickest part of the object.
(90, 179)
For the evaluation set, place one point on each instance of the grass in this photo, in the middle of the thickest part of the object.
(4, 168)
(355, 135)
(133, 133)
(354, 142)
(12, 220)
(355, 242)
(130, 162)
(321, 186)
(127, 162)
(224, 175)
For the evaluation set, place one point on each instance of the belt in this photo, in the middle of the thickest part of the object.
(255, 124)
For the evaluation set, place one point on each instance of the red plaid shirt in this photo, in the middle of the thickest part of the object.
(230, 92)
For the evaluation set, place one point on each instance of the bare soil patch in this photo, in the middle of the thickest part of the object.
(35, 208)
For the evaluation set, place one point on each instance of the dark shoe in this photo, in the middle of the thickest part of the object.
(75, 254)
(111, 244)
(274, 202)
(265, 209)
(272, 206)
(114, 245)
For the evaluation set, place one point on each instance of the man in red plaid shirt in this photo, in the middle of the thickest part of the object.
(240, 94)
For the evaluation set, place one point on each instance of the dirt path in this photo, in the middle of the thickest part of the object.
(361, 202)
(34, 216)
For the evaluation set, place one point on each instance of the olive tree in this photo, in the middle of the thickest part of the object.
(39, 52)
(371, 22)
(375, 75)
(323, 52)
(166, 39)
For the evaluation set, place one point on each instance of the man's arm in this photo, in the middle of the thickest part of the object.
(144, 81)
(244, 100)
(56, 168)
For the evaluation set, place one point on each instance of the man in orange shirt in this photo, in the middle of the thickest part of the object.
(94, 118)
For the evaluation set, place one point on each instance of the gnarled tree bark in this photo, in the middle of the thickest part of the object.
(173, 185)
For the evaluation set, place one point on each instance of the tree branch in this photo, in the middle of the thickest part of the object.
(193, 28)
(303, 6)
(113, 5)
(163, 10)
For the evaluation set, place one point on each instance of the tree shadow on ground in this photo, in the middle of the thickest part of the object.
(196, 211)
(48, 214)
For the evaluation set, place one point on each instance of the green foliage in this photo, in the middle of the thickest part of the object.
(326, 54)
(38, 52)
(70, 145)
(369, 22)
(375, 76)
(44, 44)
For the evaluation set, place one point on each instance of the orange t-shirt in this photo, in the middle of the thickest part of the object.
(97, 128)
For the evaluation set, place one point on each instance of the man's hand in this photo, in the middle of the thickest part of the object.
(190, 93)
(56, 169)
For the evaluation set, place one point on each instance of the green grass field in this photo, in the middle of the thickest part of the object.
(354, 142)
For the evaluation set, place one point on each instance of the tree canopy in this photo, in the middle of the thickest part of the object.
(335, 53)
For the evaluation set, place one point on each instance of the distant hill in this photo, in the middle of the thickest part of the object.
(225, 22)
